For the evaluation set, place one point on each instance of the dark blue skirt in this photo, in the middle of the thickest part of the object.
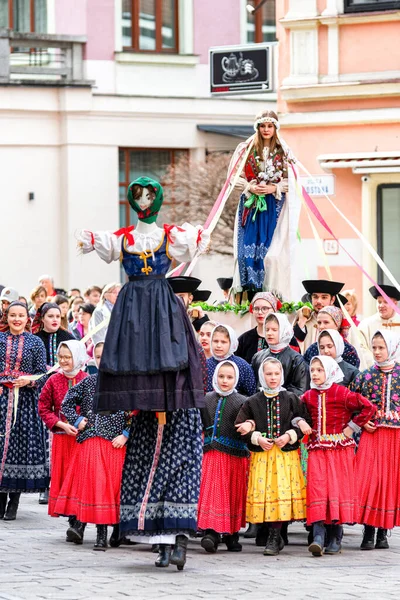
(146, 333)
(151, 357)
(171, 505)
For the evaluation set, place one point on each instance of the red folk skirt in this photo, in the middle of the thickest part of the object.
(331, 488)
(91, 489)
(223, 489)
(378, 478)
(62, 451)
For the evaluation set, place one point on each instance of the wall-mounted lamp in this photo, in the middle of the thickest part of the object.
(252, 9)
(31, 195)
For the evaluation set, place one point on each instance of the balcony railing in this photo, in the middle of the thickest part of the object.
(41, 59)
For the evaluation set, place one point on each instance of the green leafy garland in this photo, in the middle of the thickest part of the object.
(243, 309)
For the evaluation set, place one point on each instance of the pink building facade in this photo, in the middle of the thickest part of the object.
(338, 100)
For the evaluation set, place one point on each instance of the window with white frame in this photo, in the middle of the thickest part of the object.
(351, 6)
(150, 25)
(388, 219)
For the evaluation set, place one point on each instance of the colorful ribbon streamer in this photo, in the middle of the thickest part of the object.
(313, 208)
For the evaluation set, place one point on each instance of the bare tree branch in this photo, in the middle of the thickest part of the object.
(191, 189)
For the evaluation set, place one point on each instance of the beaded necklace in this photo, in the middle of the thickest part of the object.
(8, 371)
(262, 344)
(52, 348)
(273, 420)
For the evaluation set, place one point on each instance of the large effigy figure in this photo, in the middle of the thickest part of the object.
(152, 362)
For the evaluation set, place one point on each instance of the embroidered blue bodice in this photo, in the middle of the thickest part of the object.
(146, 263)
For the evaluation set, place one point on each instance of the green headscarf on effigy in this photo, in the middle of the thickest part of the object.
(149, 215)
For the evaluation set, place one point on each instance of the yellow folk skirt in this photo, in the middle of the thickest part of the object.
(276, 490)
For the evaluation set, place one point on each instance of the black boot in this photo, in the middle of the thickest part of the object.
(232, 542)
(284, 532)
(101, 540)
(210, 541)
(3, 504)
(164, 555)
(274, 543)
(251, 531)
(262, 534)
(368, 538)
(178, 556)
(381, 540)
(116, 540)
(75, 533)
(71, 523)
(317, 545)
(334, 545)
(11, 512)
(44, 497)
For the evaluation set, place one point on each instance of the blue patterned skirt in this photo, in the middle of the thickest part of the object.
(23, 461)
(254, 240)
(161, 476)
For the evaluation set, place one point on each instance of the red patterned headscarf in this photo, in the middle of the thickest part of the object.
(268, 297)
(335, 314)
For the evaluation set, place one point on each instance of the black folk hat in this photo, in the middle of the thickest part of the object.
(225, 283)
(322, 286)
(389, 290)
(184, 285)
(201, 295)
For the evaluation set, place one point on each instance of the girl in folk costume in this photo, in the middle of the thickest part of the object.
(222, 501)
(263, 183)
(224, 343)
(330, 343)
(91, 488)
(22, 445)
(278, 334)
(276, 490)
(331, 485)
(161, 371)
(378, 455)
(253, 341)
(47, 326)
(331, 317)
(72, 357)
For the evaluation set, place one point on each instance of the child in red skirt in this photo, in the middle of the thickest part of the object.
(276, 491)
(378, 455)
(331, 488)
(91, 489)
(222, 502)
(72, 357)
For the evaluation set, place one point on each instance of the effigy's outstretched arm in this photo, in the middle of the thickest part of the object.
(106, 244)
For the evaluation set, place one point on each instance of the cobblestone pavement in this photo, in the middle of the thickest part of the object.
(36, 562)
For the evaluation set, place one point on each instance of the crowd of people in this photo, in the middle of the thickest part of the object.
(297, 424)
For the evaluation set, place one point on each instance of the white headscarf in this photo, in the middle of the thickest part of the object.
(285, 331)
(261, 377)
(333, 372)
(79, 355)
(392, 342)
(234, 343)
(336, 339)
(215, 385)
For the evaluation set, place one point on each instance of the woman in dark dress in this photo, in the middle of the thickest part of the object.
(22, 445)
(47, 326)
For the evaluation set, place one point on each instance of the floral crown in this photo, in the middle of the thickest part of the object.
(266, 120)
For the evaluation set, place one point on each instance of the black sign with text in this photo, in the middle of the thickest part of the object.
(241, 69)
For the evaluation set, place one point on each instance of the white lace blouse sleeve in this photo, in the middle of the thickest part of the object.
(242, 184)
(185, 240)
(106, 244)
